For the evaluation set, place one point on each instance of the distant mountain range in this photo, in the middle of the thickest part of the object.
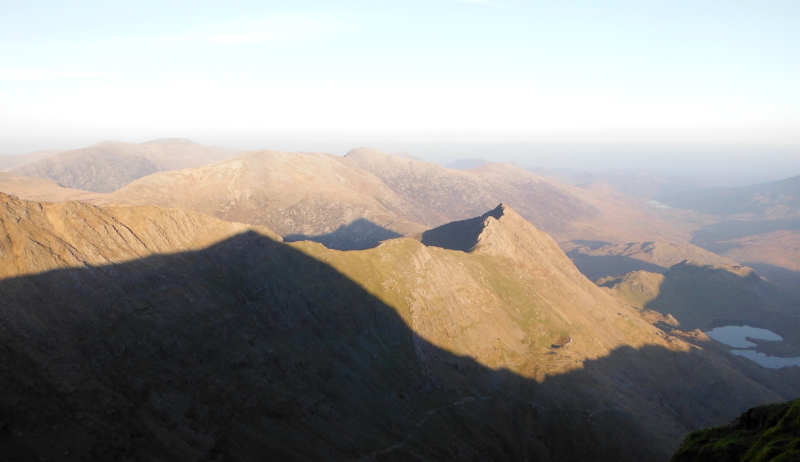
(757, 225)
(768, 201)
(107, 166)
(349, 202)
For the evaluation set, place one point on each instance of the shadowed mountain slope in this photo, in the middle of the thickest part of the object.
(250, 348)
(107, 166)
(707, 296)
(655, 257)
(359, 234)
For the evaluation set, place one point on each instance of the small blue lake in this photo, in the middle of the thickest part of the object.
(736, 337)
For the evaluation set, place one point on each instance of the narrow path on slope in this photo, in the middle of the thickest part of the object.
(432, 412)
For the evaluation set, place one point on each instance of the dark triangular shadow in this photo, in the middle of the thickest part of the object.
(459, 235)
(595, 267)
(251, 350)
(358, 235)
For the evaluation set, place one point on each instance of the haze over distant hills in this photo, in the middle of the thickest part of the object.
(768, 201)
(298, 195)
(564, 211)
(141, 332)
(349, 202)
(757, 225)
(636, 184)
(109, 165)
(7, 162)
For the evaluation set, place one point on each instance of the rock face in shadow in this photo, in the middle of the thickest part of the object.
(247, 348)
(765, 433)
(357, 235)
(460, 235)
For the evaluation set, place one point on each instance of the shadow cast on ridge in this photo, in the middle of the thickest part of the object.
(358, 235)
(252, 350)
(593, 245)
(459, 235)
(786, 279)
(595, 267)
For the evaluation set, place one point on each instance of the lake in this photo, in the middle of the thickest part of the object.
(736, 337)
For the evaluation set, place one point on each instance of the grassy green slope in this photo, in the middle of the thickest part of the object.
(764, 434)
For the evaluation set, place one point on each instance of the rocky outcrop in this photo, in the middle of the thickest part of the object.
(765, 433)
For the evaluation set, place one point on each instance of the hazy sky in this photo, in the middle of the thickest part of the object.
(615, 72)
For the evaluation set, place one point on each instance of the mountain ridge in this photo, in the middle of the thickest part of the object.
(246, 348)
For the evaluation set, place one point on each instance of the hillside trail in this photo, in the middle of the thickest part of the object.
(432, 412)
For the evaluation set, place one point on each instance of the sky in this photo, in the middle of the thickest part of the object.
(575, 84)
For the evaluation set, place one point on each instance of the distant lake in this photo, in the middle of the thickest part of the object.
(772, 362)
(736, 337)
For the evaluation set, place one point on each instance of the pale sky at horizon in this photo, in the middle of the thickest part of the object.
(713, 72)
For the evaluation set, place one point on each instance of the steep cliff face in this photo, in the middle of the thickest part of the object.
(148, 333)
